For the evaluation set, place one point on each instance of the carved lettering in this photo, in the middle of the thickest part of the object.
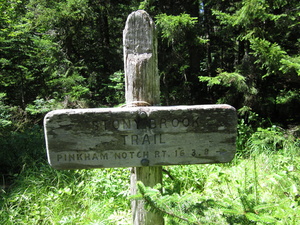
(59, 157)
(131, 155)
(98, 125)
(152, 124)
(175, 122)
(124, 155)
(139, 155)
(157, 155)
(116, 124)
(70, 157)
(163, 122)
(134, 139)
(146, 139)
(160, 140)
(126, 124)
(124, 138)
(145, 155)
(186, 122)
(117, 155)
(95, 157)
(195, 122)
(79, 157)
(177, 135)
(146, 123)
(87, 156)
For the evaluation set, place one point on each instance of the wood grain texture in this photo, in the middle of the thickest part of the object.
(140, 59)
(124, 137)
(144, 138)
(142, 84)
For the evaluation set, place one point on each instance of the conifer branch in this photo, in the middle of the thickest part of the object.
(154, 206)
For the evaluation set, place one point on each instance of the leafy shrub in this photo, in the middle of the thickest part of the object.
(19, 148)
(270, 140)
(248, 123)
(172, 27)
(42, 195)
(116, 88)
(6, 115)
(42, 106)
(261, 188)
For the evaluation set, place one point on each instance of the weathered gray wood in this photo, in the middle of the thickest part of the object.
(140, 59)
(144, 137)
(142, 84)
(137, 136)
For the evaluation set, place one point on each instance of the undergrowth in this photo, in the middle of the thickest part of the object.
(264, 189)
(42, 195)
(260, 186)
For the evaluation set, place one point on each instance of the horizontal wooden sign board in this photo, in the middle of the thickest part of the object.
(140, 136)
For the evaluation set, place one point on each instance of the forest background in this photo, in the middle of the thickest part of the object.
(69, 54)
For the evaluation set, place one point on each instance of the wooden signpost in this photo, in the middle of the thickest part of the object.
(141, 135)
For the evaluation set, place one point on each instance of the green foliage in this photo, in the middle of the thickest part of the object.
(226, 79)
(264, 57)
(261, 188)
(235, 84)
(65, 54)
(71, 50)
(173, 206)
(5, 116)
(41, 195)
(286, 97)
(117, 88)
(290, 64)
(65, 45)
(12, 118)
(247, 124)
(19, 148)
(270, 140)
(147, 5)
(268, 55)
(249, 191)
(41, 106)
(250, 11)
(173, 27)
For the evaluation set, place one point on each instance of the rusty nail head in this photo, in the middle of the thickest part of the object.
(145, 162)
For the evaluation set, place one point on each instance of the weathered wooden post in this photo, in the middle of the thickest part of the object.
(142, 88)
(145, 136)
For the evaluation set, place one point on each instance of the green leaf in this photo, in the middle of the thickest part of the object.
(290, 63)
(260, 218)
(232, 211)
(268, 55)
(264, 206)
(211, 80)
(172, 26)
(227, 80)
(253, 217)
